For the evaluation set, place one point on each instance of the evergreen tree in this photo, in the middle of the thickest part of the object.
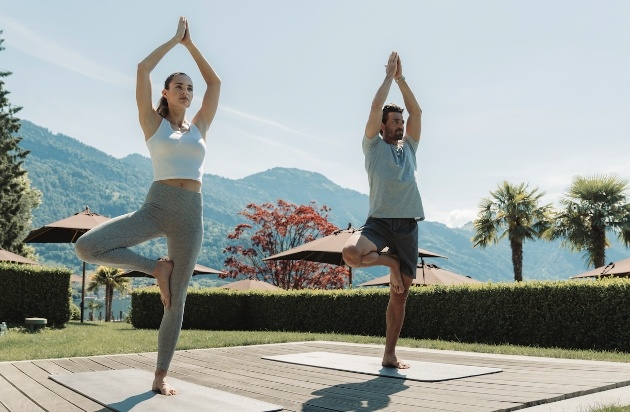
(17, 198)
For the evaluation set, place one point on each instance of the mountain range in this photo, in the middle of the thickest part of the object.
(72, 175)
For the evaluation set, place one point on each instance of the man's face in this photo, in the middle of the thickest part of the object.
(394, 129)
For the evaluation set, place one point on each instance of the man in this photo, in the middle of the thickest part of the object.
(395, 203)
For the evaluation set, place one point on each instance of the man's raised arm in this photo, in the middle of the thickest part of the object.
(411, 104)
(375, 120)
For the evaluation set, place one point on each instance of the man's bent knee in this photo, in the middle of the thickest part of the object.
(351, 255)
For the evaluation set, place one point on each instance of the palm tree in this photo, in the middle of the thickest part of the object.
(592, 207)
(111, 279)
(93, 306)
(516, 211)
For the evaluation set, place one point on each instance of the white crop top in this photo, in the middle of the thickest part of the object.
(177, 155)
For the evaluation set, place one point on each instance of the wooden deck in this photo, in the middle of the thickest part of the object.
(24, 385)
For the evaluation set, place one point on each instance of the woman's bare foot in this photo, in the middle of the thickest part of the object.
(162, 274)
(393, 362)
(160, 385)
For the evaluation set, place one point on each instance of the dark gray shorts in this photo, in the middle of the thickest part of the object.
(400, 235)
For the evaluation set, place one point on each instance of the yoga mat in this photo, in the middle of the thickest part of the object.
(126, 390)
(419, 371)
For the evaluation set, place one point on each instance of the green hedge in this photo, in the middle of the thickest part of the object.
(567, 314)
(574, 315)
(34, 291)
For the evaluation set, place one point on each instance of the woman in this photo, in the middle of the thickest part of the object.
(173, 207)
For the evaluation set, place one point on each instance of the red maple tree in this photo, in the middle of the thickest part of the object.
(278, 228)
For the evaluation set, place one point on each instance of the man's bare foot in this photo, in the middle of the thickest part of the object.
(161, 386)
(395, 276)
(394, 362)
(162, 274)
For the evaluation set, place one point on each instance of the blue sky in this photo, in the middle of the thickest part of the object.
(535, 92)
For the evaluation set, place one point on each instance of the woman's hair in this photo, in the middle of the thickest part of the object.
(162, 108)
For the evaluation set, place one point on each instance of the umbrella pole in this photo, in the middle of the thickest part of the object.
(83, 293)
(423, 279)
(350, 277)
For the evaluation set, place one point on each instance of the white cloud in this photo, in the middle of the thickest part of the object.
(28, 41)
(239, 115)
(459, 217)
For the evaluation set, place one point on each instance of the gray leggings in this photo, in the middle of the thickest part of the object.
(167, 211)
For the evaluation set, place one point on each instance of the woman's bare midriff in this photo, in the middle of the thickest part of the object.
(187, 184)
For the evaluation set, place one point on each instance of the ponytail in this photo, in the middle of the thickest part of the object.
(162, 108)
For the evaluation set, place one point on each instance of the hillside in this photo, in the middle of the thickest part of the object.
(72, 175)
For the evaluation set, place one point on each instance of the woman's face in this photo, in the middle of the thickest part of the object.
(179, 92)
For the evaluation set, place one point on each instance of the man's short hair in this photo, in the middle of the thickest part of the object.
(390, 108)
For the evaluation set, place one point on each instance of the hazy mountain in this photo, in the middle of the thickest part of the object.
(72, 175)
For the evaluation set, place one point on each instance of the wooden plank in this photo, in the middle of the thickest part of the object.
(500, 387)
(70, 365)
(109, 362)
(240, 370)
(50, 367)
(230, 382)
(89, 364)
(541, 378)
(371, 392)
(288, 374)
(39, 394)
(14, 400)
(41, 376)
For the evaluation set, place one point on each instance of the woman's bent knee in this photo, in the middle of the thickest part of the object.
(83, 249)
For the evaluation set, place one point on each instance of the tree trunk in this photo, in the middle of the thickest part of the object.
(108, 303)
(517, 259)
(599, 247)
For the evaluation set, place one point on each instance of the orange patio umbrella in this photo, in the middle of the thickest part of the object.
(6, 256)
(68, 230)
(250, 284)
(199, 270)
(619, 269)
(328, 250)
(428, 274)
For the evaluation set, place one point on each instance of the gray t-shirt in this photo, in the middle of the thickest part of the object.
(392, 177)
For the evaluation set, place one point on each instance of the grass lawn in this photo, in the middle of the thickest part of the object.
(100, 338)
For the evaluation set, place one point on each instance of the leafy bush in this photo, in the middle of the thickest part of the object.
(75, 312)
(569, 314)
(34, 291)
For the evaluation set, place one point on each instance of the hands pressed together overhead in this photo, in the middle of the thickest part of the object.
(393, 68)
(182, 35)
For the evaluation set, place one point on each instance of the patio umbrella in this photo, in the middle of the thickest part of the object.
(328, 250)
(199, 270)
(620, 269)
(6, 256)
(76, 279)
(68, 230)
(250, 284)
(428, 274)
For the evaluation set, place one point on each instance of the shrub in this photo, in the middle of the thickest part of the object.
(34, 291)
(567, 314)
